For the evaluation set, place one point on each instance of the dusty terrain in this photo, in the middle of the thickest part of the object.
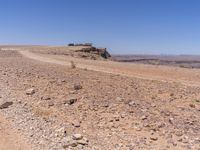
(183, 61)
(10, 140)
(98, 105)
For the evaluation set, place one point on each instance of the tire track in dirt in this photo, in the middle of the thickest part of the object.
(183, 76)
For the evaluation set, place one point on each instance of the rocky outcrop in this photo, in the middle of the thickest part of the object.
(104, 53)
(96, 51)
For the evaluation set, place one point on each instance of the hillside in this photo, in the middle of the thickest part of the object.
(96, 105)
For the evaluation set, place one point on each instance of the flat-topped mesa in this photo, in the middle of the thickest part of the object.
(97, 51)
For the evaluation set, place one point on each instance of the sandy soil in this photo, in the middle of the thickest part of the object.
(10, 140)
(111, 105)
(150, 72)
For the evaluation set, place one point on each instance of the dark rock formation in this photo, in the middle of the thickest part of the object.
(98, 51)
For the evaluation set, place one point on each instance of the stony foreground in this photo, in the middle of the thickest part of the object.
(57, 107)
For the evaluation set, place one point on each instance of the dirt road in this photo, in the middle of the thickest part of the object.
(151, 72)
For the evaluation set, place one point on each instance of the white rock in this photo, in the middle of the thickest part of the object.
(30, 91)
(77, 137)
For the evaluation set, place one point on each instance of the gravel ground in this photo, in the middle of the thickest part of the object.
(56, 107)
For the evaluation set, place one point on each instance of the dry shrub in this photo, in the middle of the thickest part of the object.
(156, 62)
(73, 65)
(184, 66)
(42, 112)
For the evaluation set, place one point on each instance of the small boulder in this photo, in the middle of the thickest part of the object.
(45, 97)
(50, 103)
(61, 132)
(197, 100)
(30, 91)
(192, 105)
(83, 141)
(73, 143)
(76, 123)
(77, 137)
(105, 104)
(70, 144)
(70, 101)
(154, 138)
(5, 105)
(171, 120)
(119, 99)
(160, 124)
(131, 103)
(144, 117)
(77, 87)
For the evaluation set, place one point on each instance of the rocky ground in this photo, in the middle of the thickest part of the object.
(84, 52)
(59, 107)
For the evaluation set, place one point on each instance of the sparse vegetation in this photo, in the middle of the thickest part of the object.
(156, 62)
(73, 65)
(183, 66)
(41, 111)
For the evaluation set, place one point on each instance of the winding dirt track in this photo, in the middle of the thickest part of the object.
(188, 77)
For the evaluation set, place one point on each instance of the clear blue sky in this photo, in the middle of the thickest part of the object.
(124, 26)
